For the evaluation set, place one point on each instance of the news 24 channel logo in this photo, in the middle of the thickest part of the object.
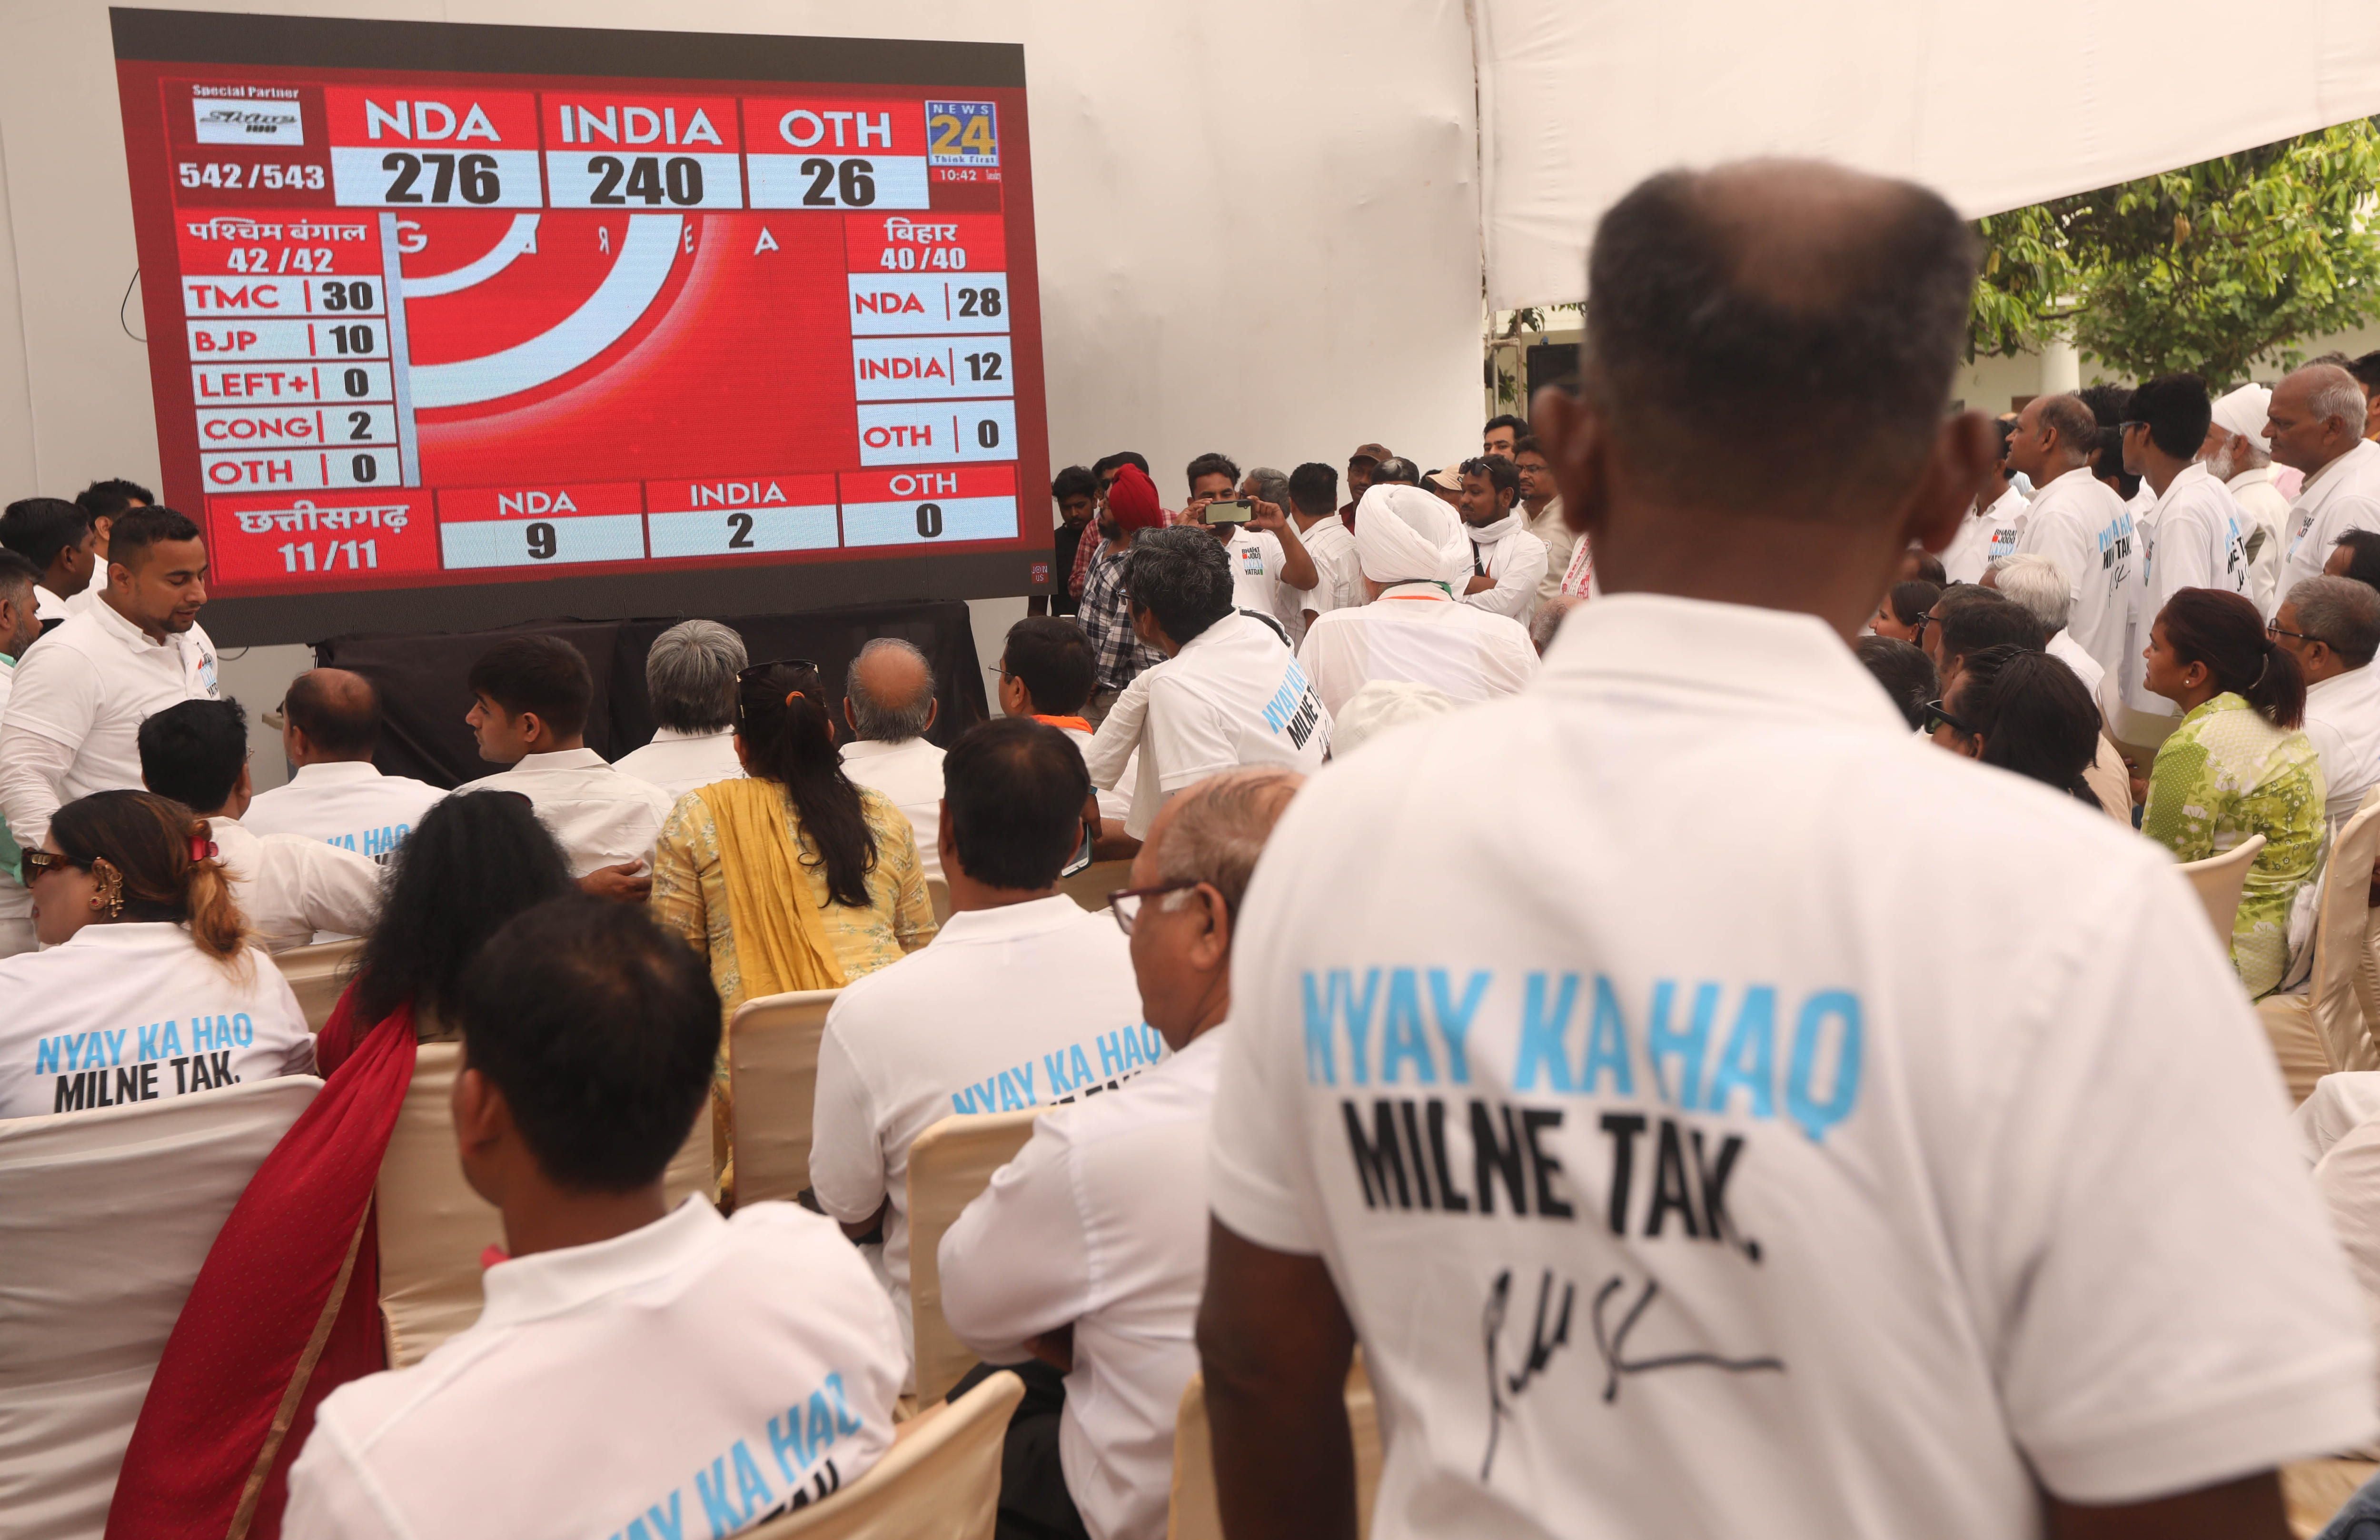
(962, 133)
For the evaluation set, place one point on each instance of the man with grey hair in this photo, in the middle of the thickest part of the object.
(2037, 585)
(2315, 422)
(690, 681)
(1100, 1221)
(2332, 627)
(888, 702)
(2076, 522)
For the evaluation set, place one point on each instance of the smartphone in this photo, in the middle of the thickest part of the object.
(1239, 510)
(1081, 859)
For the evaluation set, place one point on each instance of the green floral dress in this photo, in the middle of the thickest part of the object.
(2226, 774)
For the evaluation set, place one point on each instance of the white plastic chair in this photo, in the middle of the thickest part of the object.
(939, 1480)
(772, 1049)
(1193, 1511)
(104, 1219)
(317, 974)
(950, 1164)
(2220, 879)
(2329, 1027)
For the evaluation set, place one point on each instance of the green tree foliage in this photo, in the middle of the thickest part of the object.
(2208, 268)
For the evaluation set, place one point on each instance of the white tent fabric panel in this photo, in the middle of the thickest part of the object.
(1995, 106)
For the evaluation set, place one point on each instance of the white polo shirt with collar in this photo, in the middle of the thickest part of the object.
(48, 606)
(295, 890)
(1256, 557)
(1989, 535)
(1100, 1223)
(690, 1378)
(344, 803)
(75, 709)
(601, 817)
(135, 1012)
(911, 774)
(2342, 495)
(1828, 1189)
(1115, 804)
(1341, 575)
(2342, 719)
(1415, 632)
(1232, 696)
(1009, 1008)
(2087, 530)
(680, 762)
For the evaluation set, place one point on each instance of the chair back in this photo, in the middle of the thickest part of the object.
(1193, 1511)
(1091, 886)
(940, 1478)
(2344, 989)
(772, 1049)
(2220, 879)
(104, 1219)
(949, 1165)
(317, 974)
(434, 1229)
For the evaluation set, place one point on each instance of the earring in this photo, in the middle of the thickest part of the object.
(111, 890)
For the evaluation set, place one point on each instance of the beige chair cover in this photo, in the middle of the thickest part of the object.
(317, 974)
(434, 1229)
(104, 1219)
(2314, 1490)
(2220, 879)
(938, 893)
(951, 1163)
(773, 1049)
(939, 1481)
(1091, 886)
(1191, 1512)
(2329, 1027)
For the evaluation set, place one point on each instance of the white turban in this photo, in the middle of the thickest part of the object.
(1380, 705)
(2243, 412)
(1404, 534)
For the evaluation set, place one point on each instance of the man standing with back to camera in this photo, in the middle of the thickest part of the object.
(1670, 1194)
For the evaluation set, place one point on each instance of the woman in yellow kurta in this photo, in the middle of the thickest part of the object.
(796, 878)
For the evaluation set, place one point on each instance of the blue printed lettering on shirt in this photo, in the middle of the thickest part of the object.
(1064, 1074)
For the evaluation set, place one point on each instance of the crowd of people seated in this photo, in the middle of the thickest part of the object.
(1620, 1176)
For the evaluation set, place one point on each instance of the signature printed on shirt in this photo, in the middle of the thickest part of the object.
(1550, 1333)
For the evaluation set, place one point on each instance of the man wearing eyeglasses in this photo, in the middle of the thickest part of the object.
(1089, 1250)
(1022, 1000)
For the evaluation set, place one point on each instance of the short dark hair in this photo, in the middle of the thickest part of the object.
(2363, 559)
(39, 528)
(136, 530)
(1973, 619)
(538, 673)
(1107, 464)
(1074, 481)
(1909, 599)
(1014, 791)
(193, 750)
(1051, 656)
(1904, 671)
(1314, 487)
(17, 572)
(2177, 411)
(1211, 465)
(2366, 369)
(109, 499)
(1929, 569)
(2006, 428)
(2033, 714)
(1527, 444)
(600, 1028)
(1502, 475)
(1506, 420)
(344, 722)
(1181, 576)
(1803, 381)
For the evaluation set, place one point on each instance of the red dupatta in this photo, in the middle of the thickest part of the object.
(286, 1310)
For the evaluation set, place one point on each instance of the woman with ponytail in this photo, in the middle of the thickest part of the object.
(146, 986)
(796, 878)
(2237, 765)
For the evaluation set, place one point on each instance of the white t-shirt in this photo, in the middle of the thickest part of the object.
(1332, 547)
(2079, 524)
(1517, 560)
(2195, 538)
(1415, 633)
(601, 817)
(1232, 696)
(2343, 721)
(1989, 535)
(1832, 1190)
(344, 803)
(911, 775)
(2086, 668)
(692, 1377)
(1005, 1008)
(2342, 495)
(74, 712)
(136, 1012)
(16, 904)
(1100, 1223)
(2266, 533)
(295, 890)
(1256, 557)
(1115, 804)
(682, 762)
(47, 606)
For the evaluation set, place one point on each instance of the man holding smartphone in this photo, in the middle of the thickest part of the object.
(1264, 552)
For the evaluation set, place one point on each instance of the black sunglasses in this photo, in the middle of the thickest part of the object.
(1937, 716)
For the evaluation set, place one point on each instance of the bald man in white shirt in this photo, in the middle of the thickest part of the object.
(330, 728)
(1089, 1250)
(1623, 1154)
(888, 703)
(2078, 523)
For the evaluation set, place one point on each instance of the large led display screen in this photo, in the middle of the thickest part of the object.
(450, 325)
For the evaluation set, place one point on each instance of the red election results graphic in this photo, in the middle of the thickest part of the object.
(415, 326)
